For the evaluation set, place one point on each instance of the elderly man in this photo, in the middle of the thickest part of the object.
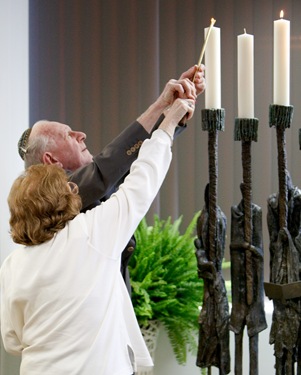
(51, 142)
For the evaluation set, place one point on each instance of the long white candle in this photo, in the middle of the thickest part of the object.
(282, 61)
(213, 69)
(245, 75)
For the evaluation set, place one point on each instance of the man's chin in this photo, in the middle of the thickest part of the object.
(87, 160)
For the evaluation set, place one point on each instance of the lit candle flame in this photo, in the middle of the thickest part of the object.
(281, 14)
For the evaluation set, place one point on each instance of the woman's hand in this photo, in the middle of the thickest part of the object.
(174, 114)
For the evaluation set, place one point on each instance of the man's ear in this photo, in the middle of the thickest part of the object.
(48, 158)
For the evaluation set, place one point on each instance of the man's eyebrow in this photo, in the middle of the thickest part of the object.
(67, 131)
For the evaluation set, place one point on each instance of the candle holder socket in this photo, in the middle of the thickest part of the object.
(213, 119)
(246, 129)
(281, 116)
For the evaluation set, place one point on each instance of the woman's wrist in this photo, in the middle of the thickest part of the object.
(169, 127)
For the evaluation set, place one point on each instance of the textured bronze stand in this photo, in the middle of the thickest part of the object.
(213, 348)
(284, 287)
(213, 121)
(246, 131)
(246, 251)
(281, 117)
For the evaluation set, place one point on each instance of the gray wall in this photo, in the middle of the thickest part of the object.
(14, 117)
(97, 65)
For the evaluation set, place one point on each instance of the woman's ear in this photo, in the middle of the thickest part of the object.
(48, 158)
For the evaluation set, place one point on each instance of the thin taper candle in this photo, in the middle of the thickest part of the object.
(204, 45)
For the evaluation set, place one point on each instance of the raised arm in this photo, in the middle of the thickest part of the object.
(125, 209)
(99, 179)
(182, 88)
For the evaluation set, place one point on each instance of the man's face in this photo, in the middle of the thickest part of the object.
(70, 149)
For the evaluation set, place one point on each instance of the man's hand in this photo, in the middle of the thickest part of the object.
(196, 74)
(184, 87)
(174, 89)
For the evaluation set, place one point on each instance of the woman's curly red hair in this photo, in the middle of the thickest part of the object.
(41, 202)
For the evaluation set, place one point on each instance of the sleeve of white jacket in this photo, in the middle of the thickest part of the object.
(11, 342)
(111, 224)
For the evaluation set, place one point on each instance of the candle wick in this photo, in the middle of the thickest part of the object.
(245, 31)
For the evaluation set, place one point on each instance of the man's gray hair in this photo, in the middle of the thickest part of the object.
(36, 148)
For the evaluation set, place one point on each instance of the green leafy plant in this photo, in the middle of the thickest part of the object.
(165, 284)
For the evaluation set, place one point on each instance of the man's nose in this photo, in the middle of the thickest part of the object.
(80, 136)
